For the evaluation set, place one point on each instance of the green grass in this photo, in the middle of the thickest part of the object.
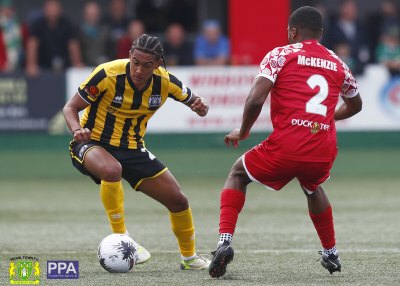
(48, 210)
(191, 163)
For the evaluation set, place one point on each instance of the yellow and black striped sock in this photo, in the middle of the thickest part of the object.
(183, 228)
(112, 196)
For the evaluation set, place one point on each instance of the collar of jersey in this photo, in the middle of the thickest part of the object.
(311, 41)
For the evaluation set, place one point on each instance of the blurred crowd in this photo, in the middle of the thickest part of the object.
(49, 40)
(374, 38)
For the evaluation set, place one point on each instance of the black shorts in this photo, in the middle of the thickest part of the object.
(137, 164)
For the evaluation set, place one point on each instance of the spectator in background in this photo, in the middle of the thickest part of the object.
(152, 14)
(389, 17)
(177, 50)
(343, 51)
(211, 47)
(182, 12)
(53, 43)
(135, 29)
(379, 22)
(347, 29)
(117, 20)
(388, 50)
(13, 36)
(94, 37)
(326, 18)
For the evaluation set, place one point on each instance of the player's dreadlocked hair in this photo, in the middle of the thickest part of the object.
(151, 45)
(306, 18)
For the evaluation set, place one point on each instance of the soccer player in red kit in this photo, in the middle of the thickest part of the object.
(305, 80)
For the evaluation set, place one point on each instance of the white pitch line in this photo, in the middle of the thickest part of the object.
(356, 250)
(250, 251)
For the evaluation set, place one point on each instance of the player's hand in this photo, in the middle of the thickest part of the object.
(200, 107)
(234, 137)
(82, 135)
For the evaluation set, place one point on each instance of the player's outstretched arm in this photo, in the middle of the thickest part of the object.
(198, 105)
(349, 107)
(252, 108)
(71, 115)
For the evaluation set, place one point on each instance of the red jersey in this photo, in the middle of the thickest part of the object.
(308, 80)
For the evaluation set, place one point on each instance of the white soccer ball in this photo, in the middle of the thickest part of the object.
(117, 253)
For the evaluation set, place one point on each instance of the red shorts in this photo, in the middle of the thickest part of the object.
(275, 172)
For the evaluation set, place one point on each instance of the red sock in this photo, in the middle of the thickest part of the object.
(232, 202)
(323, 223)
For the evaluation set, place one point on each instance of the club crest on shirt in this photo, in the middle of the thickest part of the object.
(154, 101)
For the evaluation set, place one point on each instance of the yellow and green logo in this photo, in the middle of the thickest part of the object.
(24, 270)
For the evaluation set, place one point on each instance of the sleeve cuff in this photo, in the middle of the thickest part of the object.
(84, 99)
(266, 76)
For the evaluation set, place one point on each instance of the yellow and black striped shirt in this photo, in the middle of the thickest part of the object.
(118, 112)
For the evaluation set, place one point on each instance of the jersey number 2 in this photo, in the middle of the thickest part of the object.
(314, 104)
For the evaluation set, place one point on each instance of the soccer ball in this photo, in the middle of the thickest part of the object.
(117, 253)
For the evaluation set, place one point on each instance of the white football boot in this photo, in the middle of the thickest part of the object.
(197, 263)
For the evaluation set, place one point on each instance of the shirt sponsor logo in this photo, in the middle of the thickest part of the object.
(316, 62)
(62, 269)
(111, 109)
(315, 127)
(123, 112)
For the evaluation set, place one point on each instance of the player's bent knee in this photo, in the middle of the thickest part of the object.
(179, 203)
(111, 172)
(238, 174)
(311, 193)
(238, 169)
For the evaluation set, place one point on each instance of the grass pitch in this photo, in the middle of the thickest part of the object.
(48, 210)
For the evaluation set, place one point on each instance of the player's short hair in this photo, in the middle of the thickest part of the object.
(149, 44)
(307, 19)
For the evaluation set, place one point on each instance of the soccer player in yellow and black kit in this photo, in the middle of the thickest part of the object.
(118, 99)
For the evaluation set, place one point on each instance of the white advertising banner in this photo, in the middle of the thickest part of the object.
(381, 102)
(226, 89)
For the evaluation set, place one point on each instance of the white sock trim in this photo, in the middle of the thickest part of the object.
(225, 237)
(330, 251)
(186, 258)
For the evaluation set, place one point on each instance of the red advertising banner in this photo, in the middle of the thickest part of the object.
(256, 27)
